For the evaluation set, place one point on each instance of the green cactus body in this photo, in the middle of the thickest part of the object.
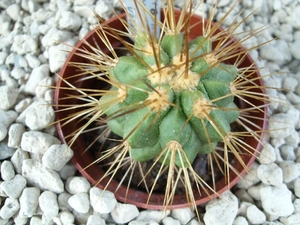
(175, 97)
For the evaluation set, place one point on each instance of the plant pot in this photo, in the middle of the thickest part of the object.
(84, 160)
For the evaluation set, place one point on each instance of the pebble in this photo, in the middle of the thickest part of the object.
(138, 222)
(39, 115)
(76, 185)
(254, 192)
(183, 215)
(48, 204)
(277, 200)
(270, 174)
(255, 215)
(42, 177)
(17, 159)
(62, 200)
(293, 48)
(65, 217)
(95, 220)
(15, 133)
(240, 220)
(297, 187)
(7, 170)
(5, 151)
(9, 209)
(267, 154)
(152, 215)
(57, 156)
(69, 170)
(102, 201)
(37, 74)
(29, 201)
(280, 125)
(80, 202)
(37, 142)
(8, 96)
(13, 11)
(14, 187)
(123, 213)
(291, 220)
(290, 169)
(287, 152)
(170, 221)
(69, 21)
(221, 211)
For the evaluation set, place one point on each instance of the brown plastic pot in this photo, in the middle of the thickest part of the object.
(93, 173)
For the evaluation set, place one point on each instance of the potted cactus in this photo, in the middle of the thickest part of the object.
(166, 120)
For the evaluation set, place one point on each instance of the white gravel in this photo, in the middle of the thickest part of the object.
(39, 185)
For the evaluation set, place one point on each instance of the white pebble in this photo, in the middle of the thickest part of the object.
(277, 200)
(280, 125)
(57, 156)
(294, 139)
(67, 171)
(43, 86)
(8, 96)
(63, 201)
(289, 83)
(270, 174)
(291, 220)
(255, 215)
(240, 220)
(254, 192)
(267, 154)
(69, 21)
(24, 43)
(54, 35)
(14, 187)
(80, 202)
(37, 142)
(32, 60)
(23, 104)
(221, 211)
(95, 220)
(58, 55)
(138, 222)
(102, 201)
(9, 209)
(184, 215)
(297, 187)
(170, 221)
(287, 152)
(35, 220)
(37, 74)
(294, 46)
(250, 178)
(66, 217)
(152, 215)
(39, 115)
(3, 131)
(7, 170)
(296, 204)
(15, 133)
(243, 195)
(48, 204)
(17, 159)
(42, 177)
(29, 201)
(290, 169)
(123, 213)
(7, 117)
(13, 11)
(76, 185)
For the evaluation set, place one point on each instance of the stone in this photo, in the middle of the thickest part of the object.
(63, 201)
(270, 174)
(291, 220)
(240, 220)
(23, 104)
(13, 11)
(297, 187)
(267, 154)
(221, 211)
(57, 156)
(95, 220)
(123, 213)
(69, 21)
(48, 204)
(42, 177)
(39, 115)
(7, 117)
(8, 96)
(32, 60)
(17, 159)
(289, 83)
(5, 151)
(69, 170)
(14, 187)
(254, 192)
(293, 48)
(280, 125)
(277, 200)
(15, 133)
(255, 215)
(102, 201)
(138, 222)
(43, 86)
(3, 131)
(76, 185)
(152, 215)
(10, 208)
(37, 142)
(66, 217)
(29, 201)
(80, 202)
(37, 74)
(7, 170)
(24, 43)
(183, 215)
(170, 221)
(290, 169)
(287, 152)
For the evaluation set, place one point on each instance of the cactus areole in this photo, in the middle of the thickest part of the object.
(173, 96)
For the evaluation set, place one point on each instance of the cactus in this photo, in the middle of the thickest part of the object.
(167, 103)
(170, 100)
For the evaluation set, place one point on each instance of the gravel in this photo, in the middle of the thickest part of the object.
(39, 185)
